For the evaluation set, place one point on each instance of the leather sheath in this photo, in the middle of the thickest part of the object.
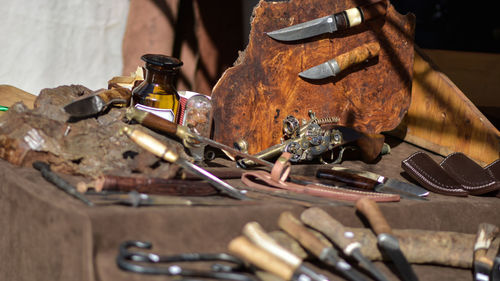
(473, 178)
(277, 180)
(431, 175)
(493, 170)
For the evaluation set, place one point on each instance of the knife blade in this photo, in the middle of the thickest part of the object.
(326, 253)
(342, 62)
(388, 243)
(189, 138)
(161, 150)
(98, 102)
(408, 187)
(330, 24)
(355, 180)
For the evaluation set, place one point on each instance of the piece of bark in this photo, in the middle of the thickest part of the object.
(252, 98)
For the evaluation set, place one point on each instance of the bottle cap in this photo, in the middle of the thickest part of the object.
(162, 60)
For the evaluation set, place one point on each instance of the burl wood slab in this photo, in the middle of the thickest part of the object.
(253, 97)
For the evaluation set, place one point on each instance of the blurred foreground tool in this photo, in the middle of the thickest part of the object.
(98, 102)
(483, 265)
(385, 240)
(161, 150)
(344, 239)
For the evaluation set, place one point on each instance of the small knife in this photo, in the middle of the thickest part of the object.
(364, 183)
(98, 102)
(483, 265)
(387, 242)
(339, 21)
(408, 187)
(342, 62)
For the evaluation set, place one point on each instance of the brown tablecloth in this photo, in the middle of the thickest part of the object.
(47, 235)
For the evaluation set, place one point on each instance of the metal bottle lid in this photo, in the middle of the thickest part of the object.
(162, 61)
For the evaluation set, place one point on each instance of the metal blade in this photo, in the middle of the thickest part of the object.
(390, 246)
(332, 258)
(407, 187)
(232, 151)
(85, 107)
(213, 180)
(368, 265)
(321, 71)
(305, 30)
(383, 188)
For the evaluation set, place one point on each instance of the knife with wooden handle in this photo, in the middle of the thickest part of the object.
(98, 102)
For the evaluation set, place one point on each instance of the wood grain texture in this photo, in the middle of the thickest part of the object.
(253, 97)
(10, 95)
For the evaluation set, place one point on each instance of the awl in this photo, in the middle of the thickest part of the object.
(342, 62)
(98, 102)
(405, 186)
(386, 241)
(161, 150)
(355, 180)
(330, 24)
(326, 253)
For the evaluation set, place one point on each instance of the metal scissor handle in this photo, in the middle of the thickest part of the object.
(126, 260)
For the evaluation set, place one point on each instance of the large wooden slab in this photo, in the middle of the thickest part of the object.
(252, 98)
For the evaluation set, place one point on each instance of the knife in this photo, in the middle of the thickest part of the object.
(342, 62)
(387, 242)
(482, 263)
(408, 187)
(339, 21)
(98, 102)
(364, 183)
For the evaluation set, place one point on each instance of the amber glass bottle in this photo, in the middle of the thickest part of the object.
(157, 93)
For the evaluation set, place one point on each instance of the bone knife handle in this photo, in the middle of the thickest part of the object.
(151, 144)
(358, 55)
(115, 94)
(485, 234)
(151, 121)
(371, 211)
(256, 234)
(295, 228)
(248, 251)
(346, 177)
(324, 223)
(355, 16)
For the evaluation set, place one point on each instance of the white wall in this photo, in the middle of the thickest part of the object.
(48, 43)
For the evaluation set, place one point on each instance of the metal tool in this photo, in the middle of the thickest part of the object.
(189, 138)
(364, 183)
(259, 237)
(387, 242)
(330, 24)
(482, 264)
(161, 150)
(326, 253)
(344, 239)
(98, 102)
(495, 270)
(60, 183)
(129, 261)
(341, 62)
(406, 186)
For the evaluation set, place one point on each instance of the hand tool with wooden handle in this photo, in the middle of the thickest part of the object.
(344, 239)
(326, 253)
(98, 102)
(482, 263)
(385, 240)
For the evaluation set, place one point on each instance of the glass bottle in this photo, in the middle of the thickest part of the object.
(198, 118)
(157, 93)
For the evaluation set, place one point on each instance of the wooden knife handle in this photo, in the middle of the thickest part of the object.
(371, 211)
(485, 234)
(295, 228)
(348, 178)
(151, 121)
(374, 10)
(324, 223)
(256, 234)
(355, 16)
(243, 248)
(116, 94)
(151, 144)
(358, 55)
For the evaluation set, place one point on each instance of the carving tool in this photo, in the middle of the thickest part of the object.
(355, 180)
(256, 234)
(482, 263)
(98, 102)
(326, 253)
(189, 138)
(405, 186)
(161, 150)
(386, 241)
(345, 240)
(341, 62)
(330, 24)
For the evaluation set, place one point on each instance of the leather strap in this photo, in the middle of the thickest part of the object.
(277, 180)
